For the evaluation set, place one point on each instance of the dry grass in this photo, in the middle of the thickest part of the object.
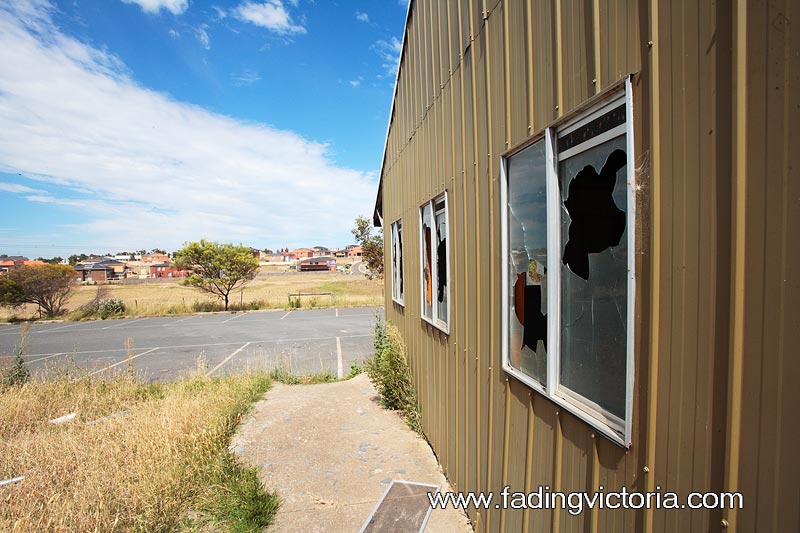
(157, 298)
(164, 466)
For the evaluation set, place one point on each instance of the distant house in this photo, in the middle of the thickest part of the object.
(101, 271)
(317, 264)
(354, 252)
(167, 270)
(321, 251)
(7, 262)
(256, 253)
(280, 257)
(300, 253)
(155, 258)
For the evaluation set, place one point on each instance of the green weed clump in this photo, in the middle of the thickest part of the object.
(389, 371)
(288, 377)
(111, 307)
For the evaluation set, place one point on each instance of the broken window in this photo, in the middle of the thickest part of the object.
(569, 268)
(435, 263)
(427, 262)
(527, 261)
(397, 261)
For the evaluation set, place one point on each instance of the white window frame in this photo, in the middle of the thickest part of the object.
(610, 425)
(396, 235)
(434, 321)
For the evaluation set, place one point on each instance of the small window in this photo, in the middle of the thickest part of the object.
(435, 264)
(569, 275)
(397, 261)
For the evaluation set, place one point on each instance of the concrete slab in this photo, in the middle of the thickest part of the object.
(330, 451)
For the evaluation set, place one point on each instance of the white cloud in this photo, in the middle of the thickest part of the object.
(160, 171)
(245, 77)
(363, 17)
(389, 51)
(174, 33)
(356, 82)
(202, 36)
(221, 13)
(271, 14)
(16, 188)
(176, 7)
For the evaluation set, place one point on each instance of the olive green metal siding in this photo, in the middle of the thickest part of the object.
(716, 134)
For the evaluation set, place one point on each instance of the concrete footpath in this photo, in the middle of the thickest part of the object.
(330, 451)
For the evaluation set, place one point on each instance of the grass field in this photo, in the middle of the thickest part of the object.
(152, 298)
(162, 464)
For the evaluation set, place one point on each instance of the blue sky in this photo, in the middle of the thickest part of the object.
(130, 124)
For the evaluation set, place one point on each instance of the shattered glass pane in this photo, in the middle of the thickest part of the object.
(400, 260)
(441, 264)
(527, 233)
(594, 288)
(397, 261)
(427, 262)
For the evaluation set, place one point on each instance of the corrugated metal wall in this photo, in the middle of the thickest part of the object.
(716, 118)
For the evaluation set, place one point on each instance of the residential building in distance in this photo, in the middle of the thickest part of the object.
(280, 257)
(155, 258)
(300, 253)
(101, 270)
(167, 270)
(316, 264)
(8, 262)
(354, 252)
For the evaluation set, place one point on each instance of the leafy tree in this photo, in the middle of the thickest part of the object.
(217, 268)
(74, 259)
(158, 251)
(371, 245)
(47, 286)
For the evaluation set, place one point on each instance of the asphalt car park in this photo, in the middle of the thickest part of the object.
(163, 348)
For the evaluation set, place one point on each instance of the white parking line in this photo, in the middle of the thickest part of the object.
(339, 366)
(124, 361)
(265, 341)
(228, 358)
(124, 322)
(58, 328)
(175, 322)
(240, 315)
(287, 314)
(337, 311)
(45, 358)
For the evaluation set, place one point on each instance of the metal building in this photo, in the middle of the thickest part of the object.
(592, 211)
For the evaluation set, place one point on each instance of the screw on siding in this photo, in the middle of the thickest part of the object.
(594, 80)
(556, 108)
(646, 470)
(529, 127)
(723, 523)
(594, 436)
(649, 44)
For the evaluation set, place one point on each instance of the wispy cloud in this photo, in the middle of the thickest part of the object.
(174, 33)
(245, 77)
(363, 17)
(16, 188)
(159, 170)
(356, 82)
(271, 14)
(389, 51)
(202, 35)
(176, 7)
